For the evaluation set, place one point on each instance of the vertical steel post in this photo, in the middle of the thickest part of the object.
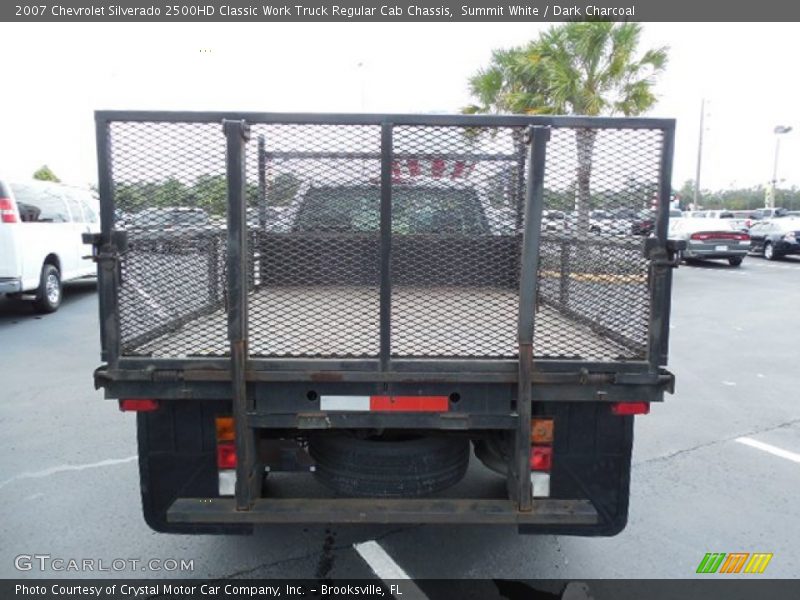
(108, 268)
(237, 134)
(564, 272)
(660, 271)
(260, 233)
(386, 246)
(262, 184)
(521, 486)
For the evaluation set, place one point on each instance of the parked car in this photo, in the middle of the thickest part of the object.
(169, 219)
(41, 247)
(743, 219)
(645, 221)
(775, 238)
(710, 239)
(769, 213)
(741, 224)
(719, 214)
(603, 221)
(173, 229)
(554, 220)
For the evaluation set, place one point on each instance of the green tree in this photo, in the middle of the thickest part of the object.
(687, 194)
(587, 68)
(44, 173)
(283, 189)
(210, 192)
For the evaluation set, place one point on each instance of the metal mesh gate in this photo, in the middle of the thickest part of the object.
(600, 186)
(170, 197)
(313, 195)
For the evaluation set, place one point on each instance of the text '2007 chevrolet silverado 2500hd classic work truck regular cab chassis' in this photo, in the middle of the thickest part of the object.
(363, 300)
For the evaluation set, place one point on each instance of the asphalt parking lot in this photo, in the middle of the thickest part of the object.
(716, 467)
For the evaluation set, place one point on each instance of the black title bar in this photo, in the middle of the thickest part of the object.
(400, 11)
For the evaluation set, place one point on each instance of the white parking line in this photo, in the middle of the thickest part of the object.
(64, 468)
(794, 457)
(384, 567)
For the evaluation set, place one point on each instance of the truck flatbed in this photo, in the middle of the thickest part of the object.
(370, 300)
(351, 314)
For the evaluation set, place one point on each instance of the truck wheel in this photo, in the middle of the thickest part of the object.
(48, 296)
(735, 261)
(389, 467)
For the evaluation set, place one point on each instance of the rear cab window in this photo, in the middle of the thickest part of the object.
(416, 210)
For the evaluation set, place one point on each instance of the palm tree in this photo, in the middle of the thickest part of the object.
(581, 68)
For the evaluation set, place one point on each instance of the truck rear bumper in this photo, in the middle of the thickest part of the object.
(382, 511)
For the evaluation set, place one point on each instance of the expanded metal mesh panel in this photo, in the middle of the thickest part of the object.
(601, 187)
(316, 260)
(313, 217)
(170, 193)
(455, 253)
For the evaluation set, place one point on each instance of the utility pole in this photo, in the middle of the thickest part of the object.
(769, 201)
(696, 199)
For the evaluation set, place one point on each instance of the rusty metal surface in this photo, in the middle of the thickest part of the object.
(375, 510)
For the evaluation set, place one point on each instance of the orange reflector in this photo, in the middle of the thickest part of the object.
(542, 431)
(138, 405)
(630, 408)
(226, 455)
(541, 458)
(225, 429)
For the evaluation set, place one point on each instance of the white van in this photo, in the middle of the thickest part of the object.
(41, 227)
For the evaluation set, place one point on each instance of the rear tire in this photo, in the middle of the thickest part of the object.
(735, 261)
(48, 296)
(769, 252)
(389, 468)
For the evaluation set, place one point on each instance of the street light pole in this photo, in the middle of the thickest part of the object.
(769, 201)
(696, 199)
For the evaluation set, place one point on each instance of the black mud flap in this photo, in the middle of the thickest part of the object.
(591, 460)
(177, 458)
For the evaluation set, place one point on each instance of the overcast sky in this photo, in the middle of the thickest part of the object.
(55, 75)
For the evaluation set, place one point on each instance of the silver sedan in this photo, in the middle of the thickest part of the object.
(710, 239)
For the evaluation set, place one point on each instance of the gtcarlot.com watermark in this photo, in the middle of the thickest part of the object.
(48, 563)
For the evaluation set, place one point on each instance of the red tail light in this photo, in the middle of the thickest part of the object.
(719, 235)
(630, 408)
(541, 458)
(8, 213)
(413, 167)
(437, 167)
(138, 405)
(226, 455)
